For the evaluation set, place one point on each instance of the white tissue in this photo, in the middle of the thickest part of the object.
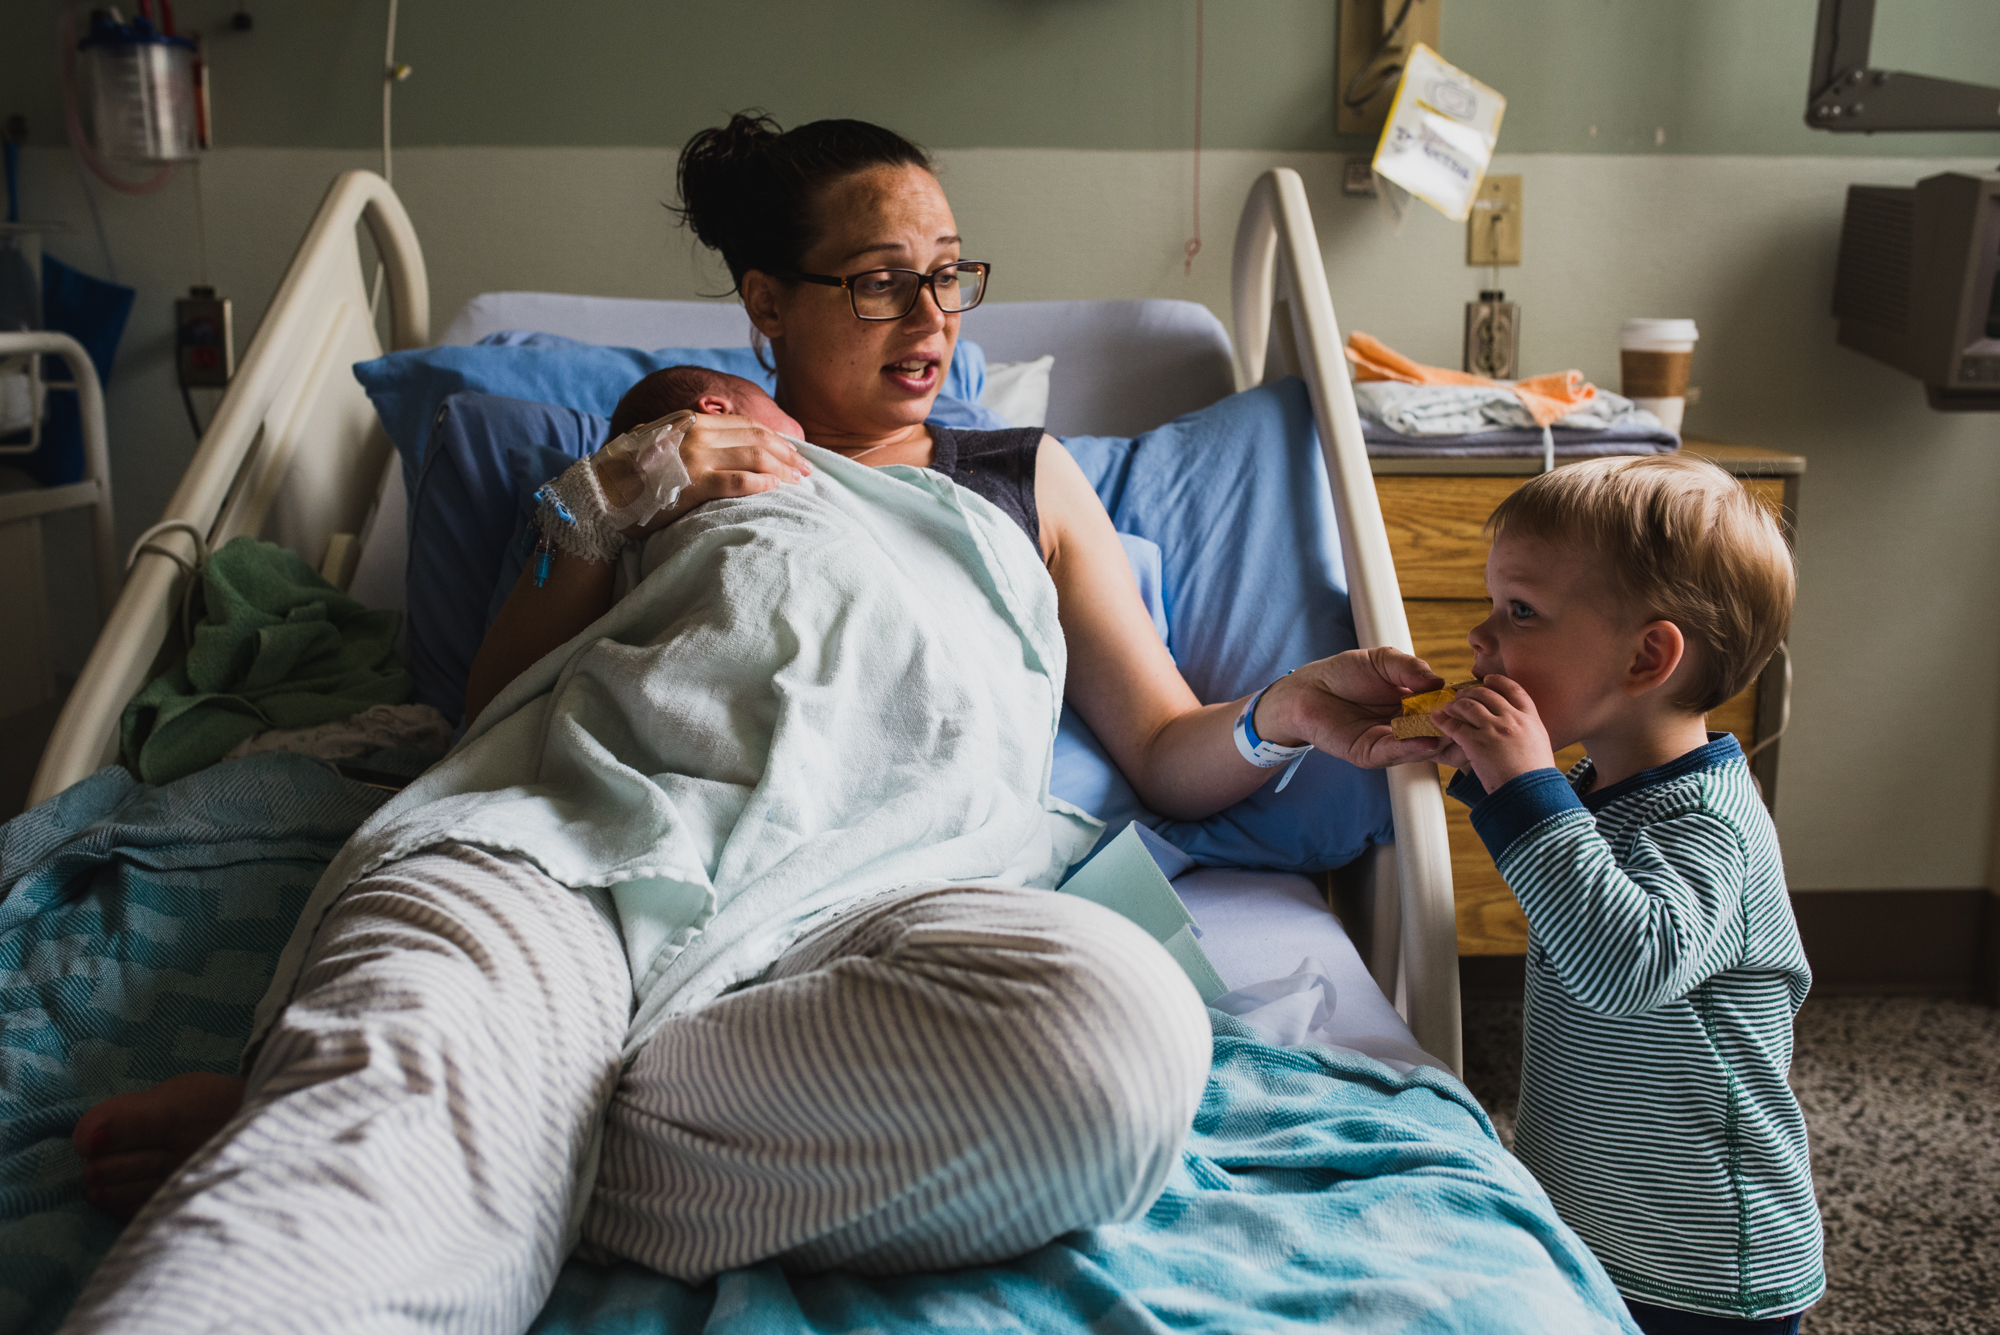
(1297, 1008)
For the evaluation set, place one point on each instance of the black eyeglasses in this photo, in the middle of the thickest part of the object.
(890, 294)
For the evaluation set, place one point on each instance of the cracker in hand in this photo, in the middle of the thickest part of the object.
(1416, 718)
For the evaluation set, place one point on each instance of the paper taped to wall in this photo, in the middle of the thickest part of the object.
(1440, 134)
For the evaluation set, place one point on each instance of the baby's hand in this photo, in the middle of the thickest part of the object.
(1495, 728)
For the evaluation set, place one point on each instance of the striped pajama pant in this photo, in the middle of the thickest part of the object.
(933, 1078)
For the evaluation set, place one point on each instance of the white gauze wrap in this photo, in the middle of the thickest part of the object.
(579, 518)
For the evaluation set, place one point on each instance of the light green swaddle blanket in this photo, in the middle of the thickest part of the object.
(817, 693)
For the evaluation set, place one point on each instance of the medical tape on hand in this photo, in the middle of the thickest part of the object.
(1261, 753)
(653, 454)
(576, 515)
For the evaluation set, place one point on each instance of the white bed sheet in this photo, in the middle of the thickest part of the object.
(1258, 925)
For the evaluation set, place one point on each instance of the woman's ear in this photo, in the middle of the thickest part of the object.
(760, 299)
(1659, 651)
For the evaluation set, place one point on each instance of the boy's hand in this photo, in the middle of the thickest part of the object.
(1495, 727)
(1343, 704)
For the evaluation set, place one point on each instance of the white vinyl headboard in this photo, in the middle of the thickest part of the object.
(1122, 367)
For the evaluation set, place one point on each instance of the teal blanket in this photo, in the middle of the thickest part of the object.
(138, 928)
(1318, 1191)
(139, 925)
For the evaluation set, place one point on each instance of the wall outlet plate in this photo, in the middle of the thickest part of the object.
(1493, 232)
(204, 345)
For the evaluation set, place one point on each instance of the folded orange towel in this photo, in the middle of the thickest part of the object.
(1548, 398)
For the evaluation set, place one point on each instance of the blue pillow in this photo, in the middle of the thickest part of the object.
(1236, 498)
(408, 387)
(471, 510)
(465, 509)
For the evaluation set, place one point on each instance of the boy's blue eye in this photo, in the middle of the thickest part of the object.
(1520, 611)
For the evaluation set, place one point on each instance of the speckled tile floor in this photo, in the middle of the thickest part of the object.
(1902, 1103)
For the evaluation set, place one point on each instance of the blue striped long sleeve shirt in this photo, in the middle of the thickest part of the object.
(1663, 973)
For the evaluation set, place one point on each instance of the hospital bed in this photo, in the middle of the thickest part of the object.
(1363, 1184)
(295, 455)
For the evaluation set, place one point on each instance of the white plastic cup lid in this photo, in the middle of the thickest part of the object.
(1638, 331)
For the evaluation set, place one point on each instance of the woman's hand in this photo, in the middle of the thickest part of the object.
(1342, 705)
(1497, 728)
(724, 457)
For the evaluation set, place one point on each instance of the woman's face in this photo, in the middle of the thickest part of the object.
(845, 377)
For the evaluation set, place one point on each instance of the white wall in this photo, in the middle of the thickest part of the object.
(1898, 551)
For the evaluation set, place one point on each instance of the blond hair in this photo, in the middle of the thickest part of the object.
(1680, 541)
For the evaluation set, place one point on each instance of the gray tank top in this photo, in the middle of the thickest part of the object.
(999, 465)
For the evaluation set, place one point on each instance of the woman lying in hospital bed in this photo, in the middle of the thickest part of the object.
(724, 936)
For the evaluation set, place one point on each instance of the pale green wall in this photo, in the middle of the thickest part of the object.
(1581, 76)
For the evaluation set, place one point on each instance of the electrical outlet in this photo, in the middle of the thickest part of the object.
(1493, 232)
(204, 349)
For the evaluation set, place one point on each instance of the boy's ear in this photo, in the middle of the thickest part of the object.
(760, 299)
(1658, 652)
(715, 405)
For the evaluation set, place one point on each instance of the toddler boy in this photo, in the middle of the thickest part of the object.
(1630, 597)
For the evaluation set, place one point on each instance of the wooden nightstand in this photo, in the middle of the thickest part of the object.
(1435, 510)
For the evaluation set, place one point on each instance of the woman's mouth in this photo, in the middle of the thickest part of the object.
(913, 375)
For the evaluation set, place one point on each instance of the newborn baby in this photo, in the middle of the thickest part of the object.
(629, 470)
(698, 389)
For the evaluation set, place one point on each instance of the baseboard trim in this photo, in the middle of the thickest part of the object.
(1889, 942)
(1921, 942)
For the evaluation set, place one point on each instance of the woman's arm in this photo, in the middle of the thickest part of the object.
(535, 620)
(724, 456)
(1178, 753)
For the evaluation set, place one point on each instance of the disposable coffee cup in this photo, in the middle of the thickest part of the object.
(1654, 357)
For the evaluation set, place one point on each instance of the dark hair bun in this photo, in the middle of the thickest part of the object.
(748, 189)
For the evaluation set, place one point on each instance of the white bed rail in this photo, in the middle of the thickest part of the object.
(95, 488)
(27, 671)
(1284, 324)
(293, 454)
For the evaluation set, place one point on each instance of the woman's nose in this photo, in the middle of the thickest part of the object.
(926, 316)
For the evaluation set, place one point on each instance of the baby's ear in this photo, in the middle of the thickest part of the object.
(715, 405)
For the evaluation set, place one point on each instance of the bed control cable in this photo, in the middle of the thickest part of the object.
(145, 543)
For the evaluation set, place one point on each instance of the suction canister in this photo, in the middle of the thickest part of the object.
(140, 97)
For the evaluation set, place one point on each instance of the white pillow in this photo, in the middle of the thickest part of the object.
(1019, 391)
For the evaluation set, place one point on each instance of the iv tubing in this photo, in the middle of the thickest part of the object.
(389, 80)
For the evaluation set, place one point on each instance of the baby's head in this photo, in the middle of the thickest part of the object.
(698, 389)
(1638, 540)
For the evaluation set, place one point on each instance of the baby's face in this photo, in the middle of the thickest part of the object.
(760, 408)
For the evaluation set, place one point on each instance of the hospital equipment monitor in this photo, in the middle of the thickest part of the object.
(1917, 284)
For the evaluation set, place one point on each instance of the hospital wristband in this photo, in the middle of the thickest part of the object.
(1261, 753)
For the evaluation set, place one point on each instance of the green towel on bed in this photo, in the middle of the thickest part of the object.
(276, 647)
